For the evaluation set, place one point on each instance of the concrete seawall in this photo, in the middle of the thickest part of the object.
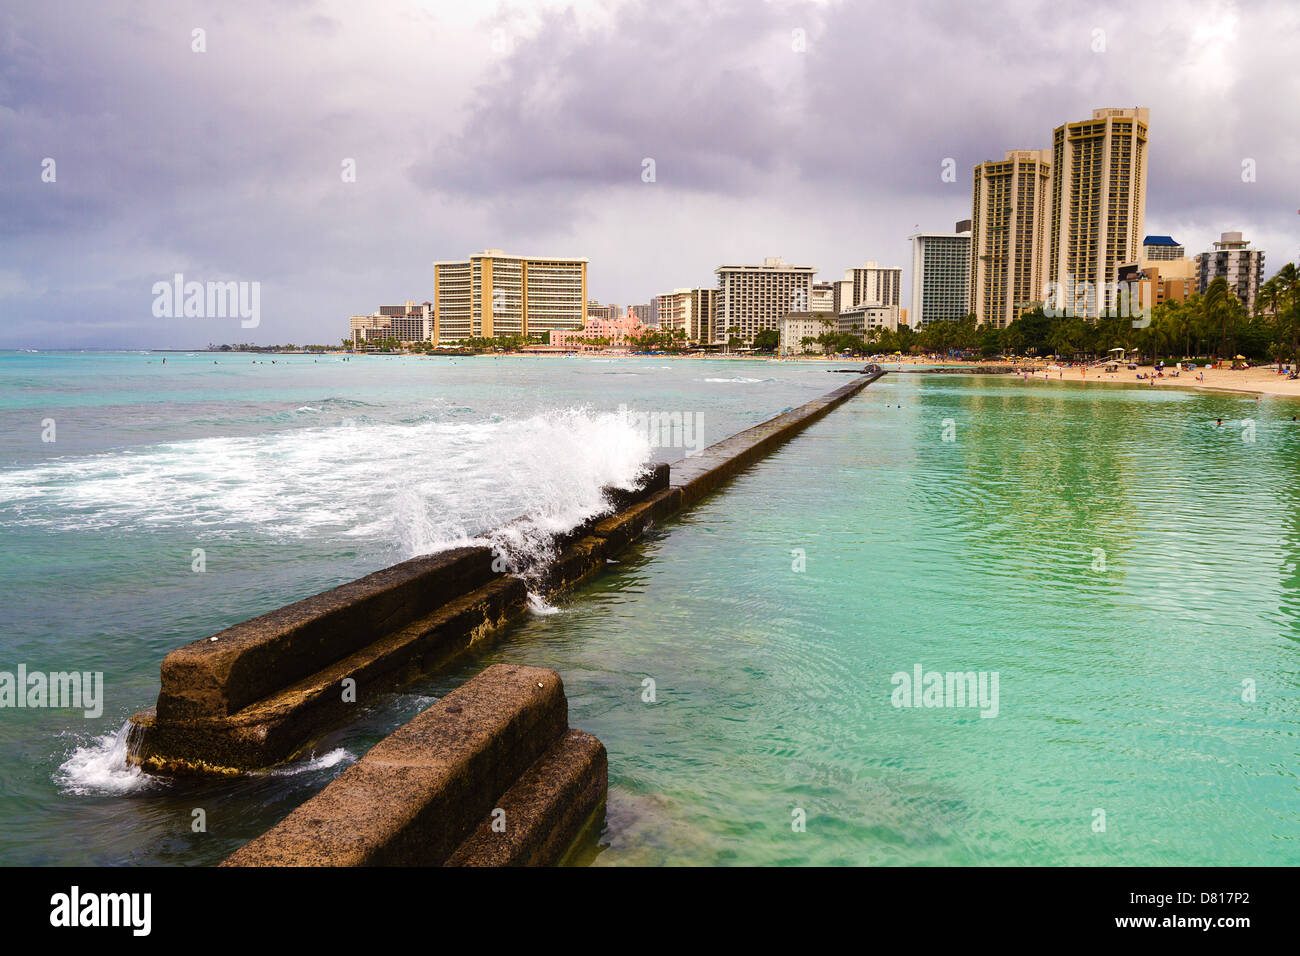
(699, 475)
(491, 775)
(257, 693)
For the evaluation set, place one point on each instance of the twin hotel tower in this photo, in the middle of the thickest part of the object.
(1070, 217)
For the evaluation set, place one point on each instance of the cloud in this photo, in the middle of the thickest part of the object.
(810, 130)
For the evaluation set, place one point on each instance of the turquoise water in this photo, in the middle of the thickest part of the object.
(1120, 671)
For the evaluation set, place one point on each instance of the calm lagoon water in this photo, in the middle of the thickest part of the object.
(1125, 565)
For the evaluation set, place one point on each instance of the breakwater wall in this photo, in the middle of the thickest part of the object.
(490, 775)
(256, 694)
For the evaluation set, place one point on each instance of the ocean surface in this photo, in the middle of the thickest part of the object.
(1123, 560)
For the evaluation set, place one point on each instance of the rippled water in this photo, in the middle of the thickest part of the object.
(1120, 560)
(289, 478)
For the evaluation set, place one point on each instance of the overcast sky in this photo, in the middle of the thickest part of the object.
(813, 131)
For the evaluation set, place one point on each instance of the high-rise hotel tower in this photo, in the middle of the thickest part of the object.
(1008, 241)
(1098, 204)
(1058, 223)
(940, 276)
(492, 294)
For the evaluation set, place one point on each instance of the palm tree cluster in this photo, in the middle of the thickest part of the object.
(1215, 325)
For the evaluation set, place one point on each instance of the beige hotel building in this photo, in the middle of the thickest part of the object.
(1009, 234)
(1099, 201)
(690, 310)
(1068, 215)
(493, 294)
(412, 322)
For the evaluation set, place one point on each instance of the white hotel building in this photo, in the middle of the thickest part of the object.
(940, 276)
(754, 298)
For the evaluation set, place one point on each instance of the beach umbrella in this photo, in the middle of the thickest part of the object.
(1241, 357)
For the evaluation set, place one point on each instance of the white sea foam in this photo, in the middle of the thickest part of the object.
(333, 758)
(539, 605)
(99, 766)
(420, 487)
(745, 381)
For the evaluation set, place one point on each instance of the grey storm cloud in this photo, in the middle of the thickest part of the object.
(681, 83)
(816, 131)
(883, 94)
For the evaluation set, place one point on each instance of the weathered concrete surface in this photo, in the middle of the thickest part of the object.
(577, 562)
(422, 795)
(219, 675)
(546, 809)
(273, 729)
(606, 537)
(621, 529)
(257, 693)
(701, 474)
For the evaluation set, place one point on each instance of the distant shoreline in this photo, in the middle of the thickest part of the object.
(1260, 380)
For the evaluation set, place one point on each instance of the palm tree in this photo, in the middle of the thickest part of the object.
(1218, 306)
(1280, 297)
(733, 337)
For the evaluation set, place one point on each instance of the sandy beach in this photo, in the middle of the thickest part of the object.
(1262, 381)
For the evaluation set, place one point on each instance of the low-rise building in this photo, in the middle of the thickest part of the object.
(1161, 249)
(1233, 259)
(601, 334)
(862, 319)
(796, 327)
(412, 322)
(1159, 280)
